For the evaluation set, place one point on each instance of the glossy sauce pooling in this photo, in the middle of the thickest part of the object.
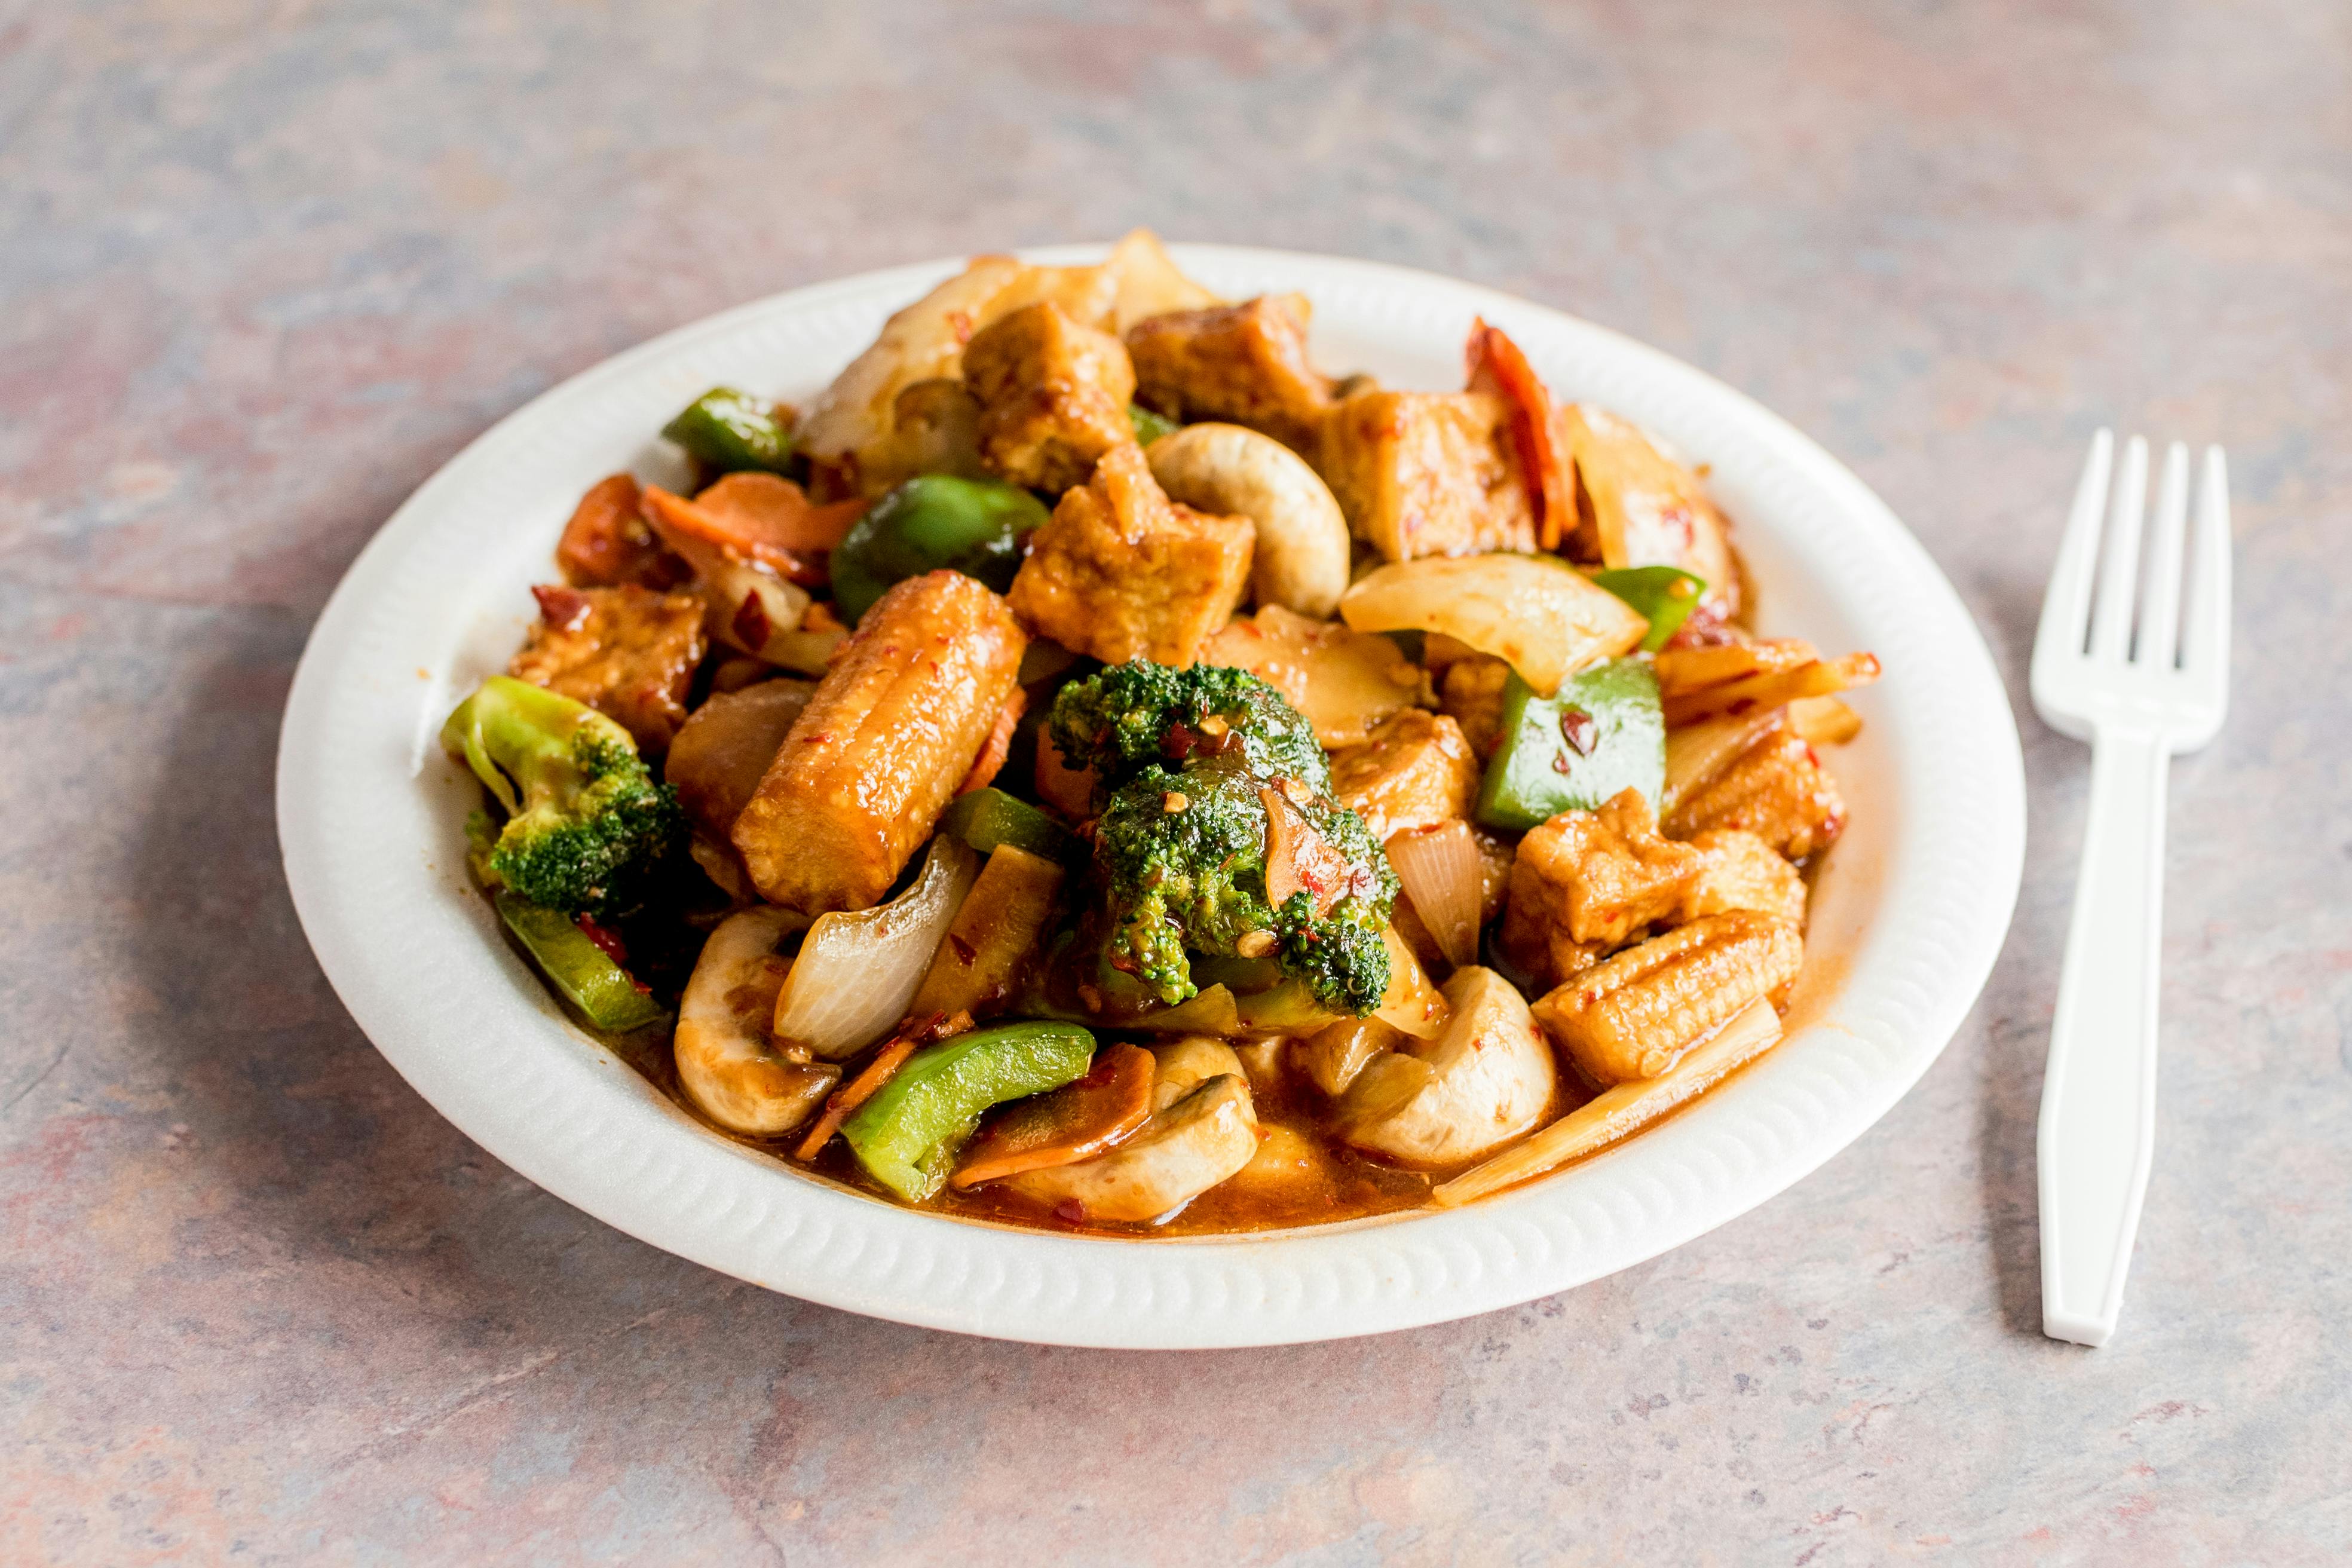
(1304, 1177)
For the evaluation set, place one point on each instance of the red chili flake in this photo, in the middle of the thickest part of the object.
(751, 624)
(1179, 743)
(1812, 756)
(564, 609)
(1069, 1211)
(965, 952)
(819, 739)
(1561, 764)
(605, 937)
(1580, 730)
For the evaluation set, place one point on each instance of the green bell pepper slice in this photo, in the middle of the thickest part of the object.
(1149, 426)
(933, 521)
(1664, 594)
(988, 817)
(582, 973)
(908, 1136)
(1600, 734)
(730, 431)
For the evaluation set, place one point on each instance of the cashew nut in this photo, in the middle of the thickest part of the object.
(727, 1060)
(1302, 538)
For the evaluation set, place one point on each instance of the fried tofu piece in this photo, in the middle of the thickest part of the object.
(1120, 572)
(1427, 473)
(625, 651)
(870, 763)
(1053, 395)
(1415, 771)
(1647, 510)
(1471, 693)
(1631, 1016)
(1738, 871)
(1775, 789)
(1597, 877)
(1245, 364)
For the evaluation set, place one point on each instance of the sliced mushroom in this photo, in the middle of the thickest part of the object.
(1302, 537)
(1184, 1064)
(727, 1060)
(1203, 1130)
(1490, 1075)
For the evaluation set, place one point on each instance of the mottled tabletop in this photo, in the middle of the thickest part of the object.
(264, 267)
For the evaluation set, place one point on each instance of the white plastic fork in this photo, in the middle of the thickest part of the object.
(2140, 690)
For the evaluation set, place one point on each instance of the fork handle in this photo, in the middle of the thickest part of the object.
(2098, 1093)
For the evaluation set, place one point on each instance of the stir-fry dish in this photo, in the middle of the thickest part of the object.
(1093, 769)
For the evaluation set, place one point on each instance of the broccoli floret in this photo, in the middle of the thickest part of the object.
(1140, 714)
(1193, 880)
(586, 825)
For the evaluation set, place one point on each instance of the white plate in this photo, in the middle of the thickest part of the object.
(1906, 922)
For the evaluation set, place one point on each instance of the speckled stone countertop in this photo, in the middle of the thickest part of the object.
(264, 267)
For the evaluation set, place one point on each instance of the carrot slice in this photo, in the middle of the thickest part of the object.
(754, 517)
(1497, 366)
(1072, 1123)
(762, 507)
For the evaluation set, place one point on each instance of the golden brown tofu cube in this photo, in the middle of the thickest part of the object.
(1243, 365)
(1647, 510)
(1778, 790)
(1631, 1017)
(1471, 693)
(873, 759)
(1738, 871)
(1415, 771)
(1053, 395)
(1120, 572)
(627, 651)
(1427, 473)
(1604, 874)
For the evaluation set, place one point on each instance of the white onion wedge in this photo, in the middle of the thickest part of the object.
(1541, 615)
(1447, 880)
(857, 970)
(1623, 1110)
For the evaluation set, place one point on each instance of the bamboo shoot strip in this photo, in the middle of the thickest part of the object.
(1620, 1110)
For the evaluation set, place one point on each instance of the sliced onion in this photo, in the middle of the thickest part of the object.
(1445, 878)
(858, 970)
(751, 607)
(1411, 1003)
(1541, 615)
(1697, 753)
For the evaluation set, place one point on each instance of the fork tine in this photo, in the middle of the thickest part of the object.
(2066, 608)
(2119, 558)
(2160, 621)
(2205, 647)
